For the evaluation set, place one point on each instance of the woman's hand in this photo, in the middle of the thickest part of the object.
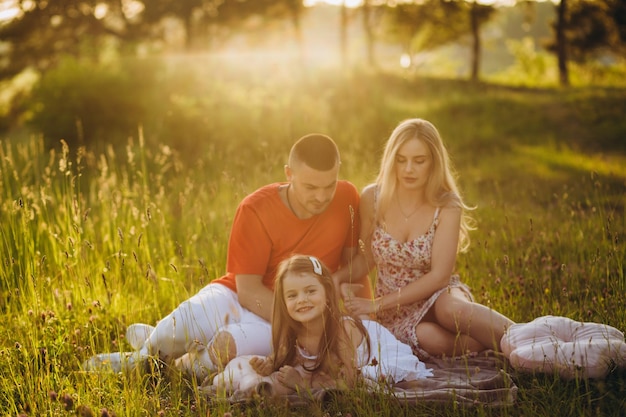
(362, 306)
(349, 290)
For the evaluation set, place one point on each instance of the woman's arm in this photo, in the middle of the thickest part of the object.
(443, 258)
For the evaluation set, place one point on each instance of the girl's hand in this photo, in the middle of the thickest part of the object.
(262, 366)
(290, 377)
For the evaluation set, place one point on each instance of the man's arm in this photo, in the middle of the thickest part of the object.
(255, 296)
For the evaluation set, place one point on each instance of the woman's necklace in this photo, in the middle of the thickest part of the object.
(407, 216)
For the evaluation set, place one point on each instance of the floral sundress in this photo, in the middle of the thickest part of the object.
(398, 264)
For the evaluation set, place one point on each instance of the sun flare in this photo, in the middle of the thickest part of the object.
(348, 3)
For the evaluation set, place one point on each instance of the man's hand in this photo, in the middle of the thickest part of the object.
(262, 366)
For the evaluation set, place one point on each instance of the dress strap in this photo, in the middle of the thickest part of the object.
(436, 218)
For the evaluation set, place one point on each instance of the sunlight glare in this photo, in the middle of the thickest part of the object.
(348, 3)
(358, 3)
(8, 14)
(132, 8)
(405, 60)
(101, 11)
(28, 5)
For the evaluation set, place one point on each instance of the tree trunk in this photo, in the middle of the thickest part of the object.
(296, 20)
(189, 35)
(369, 34)
(561, 43)
(476, 46)
(343, 35)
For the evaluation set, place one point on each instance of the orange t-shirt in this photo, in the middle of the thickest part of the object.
(265, 232)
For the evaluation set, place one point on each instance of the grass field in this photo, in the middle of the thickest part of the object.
(93, 240)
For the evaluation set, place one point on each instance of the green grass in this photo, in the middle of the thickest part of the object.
(93, 240)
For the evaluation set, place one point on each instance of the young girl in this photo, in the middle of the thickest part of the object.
(315, 346)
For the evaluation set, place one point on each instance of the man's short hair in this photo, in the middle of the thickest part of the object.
(315, 150)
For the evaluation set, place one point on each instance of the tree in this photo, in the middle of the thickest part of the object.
(207, 21)
(369, 32)
(479, 14)
(295, 9)
(596, 28)
(371, 13)
(45, 30)
(561, 43)
(587, 30)
(343, 34)
(434, 23)
(425, 26)
(618, 12)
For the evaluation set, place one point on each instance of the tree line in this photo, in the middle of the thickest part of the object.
(42, 34)
(44, 30)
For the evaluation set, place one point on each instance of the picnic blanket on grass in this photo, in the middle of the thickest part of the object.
(468, 380)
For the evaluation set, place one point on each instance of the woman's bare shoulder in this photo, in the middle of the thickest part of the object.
(450, 214)
(369, 189)
(368, 194)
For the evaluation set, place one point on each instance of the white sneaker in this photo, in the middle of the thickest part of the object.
(137, 334)
(116, 362)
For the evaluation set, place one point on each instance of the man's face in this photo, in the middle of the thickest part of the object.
(312, 190)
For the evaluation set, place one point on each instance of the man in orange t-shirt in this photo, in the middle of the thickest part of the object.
(313, 213)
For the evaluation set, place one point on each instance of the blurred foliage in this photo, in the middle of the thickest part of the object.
(83, 102)
(207, 23)
(95, 84)
(594, 29)
(44, 32)
(205, 103)
(423, 26)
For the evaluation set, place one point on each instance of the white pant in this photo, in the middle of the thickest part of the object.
(215, 308)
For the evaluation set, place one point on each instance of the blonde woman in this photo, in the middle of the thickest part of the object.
(413, 223)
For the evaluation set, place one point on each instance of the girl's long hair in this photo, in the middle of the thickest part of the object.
(285, 329)
(441, 189)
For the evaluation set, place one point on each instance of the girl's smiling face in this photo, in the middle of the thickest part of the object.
(305, 297)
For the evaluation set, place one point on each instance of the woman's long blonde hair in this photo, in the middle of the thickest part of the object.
(441, 188)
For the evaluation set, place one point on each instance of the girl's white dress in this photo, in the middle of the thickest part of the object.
(390, 360)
